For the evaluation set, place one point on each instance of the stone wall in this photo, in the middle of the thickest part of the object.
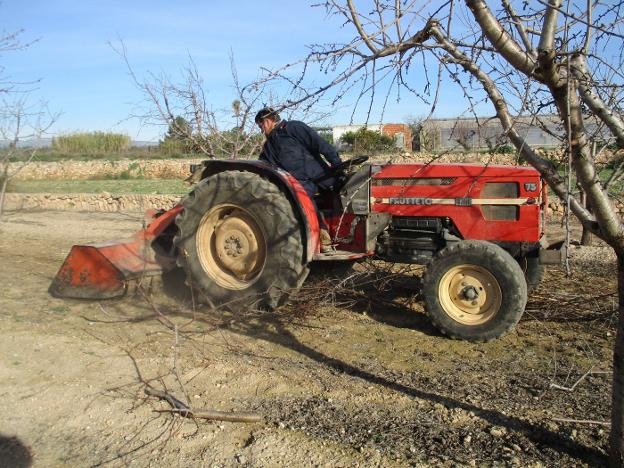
(88, 201)
(179, 168)
(557, 207)
(150, 169)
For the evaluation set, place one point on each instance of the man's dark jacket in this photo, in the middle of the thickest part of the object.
(297, 149)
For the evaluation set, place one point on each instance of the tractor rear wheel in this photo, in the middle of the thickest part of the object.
(240, 242)
(475, 291)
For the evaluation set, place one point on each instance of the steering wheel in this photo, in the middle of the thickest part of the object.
(349, 163)
(337, 171)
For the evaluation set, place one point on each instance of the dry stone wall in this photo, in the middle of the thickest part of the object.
(450, 158)
(179, 168)
(88, 201)
(149, 169)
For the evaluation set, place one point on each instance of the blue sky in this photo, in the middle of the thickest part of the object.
(82, 77)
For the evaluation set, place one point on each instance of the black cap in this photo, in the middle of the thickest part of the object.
(267, 113)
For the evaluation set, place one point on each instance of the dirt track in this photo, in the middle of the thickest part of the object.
(361, 379)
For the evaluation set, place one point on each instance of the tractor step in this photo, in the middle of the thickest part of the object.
(339, 255)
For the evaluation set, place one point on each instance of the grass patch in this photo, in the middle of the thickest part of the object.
(617, 188)
(117, 186)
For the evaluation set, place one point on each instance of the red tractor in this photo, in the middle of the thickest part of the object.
(247, 234)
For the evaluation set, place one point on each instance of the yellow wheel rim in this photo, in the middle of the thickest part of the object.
(231, 246)
(470, 294)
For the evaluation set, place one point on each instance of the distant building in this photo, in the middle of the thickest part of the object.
(401, 133)
(487, 132)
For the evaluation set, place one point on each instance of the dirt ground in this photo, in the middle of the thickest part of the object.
(354, 376)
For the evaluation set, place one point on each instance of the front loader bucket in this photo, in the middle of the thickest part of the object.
(102, 271)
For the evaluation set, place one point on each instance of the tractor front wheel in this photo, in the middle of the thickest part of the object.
(475, 291)
(240, 242)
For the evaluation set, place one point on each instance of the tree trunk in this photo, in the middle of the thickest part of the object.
(587, 237)
(616, 441)
(4, 181)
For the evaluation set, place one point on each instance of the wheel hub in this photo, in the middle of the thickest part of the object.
(470, 294)
(231, 246)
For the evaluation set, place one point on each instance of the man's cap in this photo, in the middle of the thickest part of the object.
(267, 112)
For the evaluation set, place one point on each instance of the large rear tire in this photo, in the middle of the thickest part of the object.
(240, 242)
(475, 291)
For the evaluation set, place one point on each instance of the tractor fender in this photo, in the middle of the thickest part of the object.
(300, 200)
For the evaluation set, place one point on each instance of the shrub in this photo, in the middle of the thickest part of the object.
(327, 135)
(365, 140)
(177, 140)
(504, 149)
(91, 143)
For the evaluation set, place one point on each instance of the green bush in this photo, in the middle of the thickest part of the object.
(177, 140)
(91, 143)
(365, 140)
(182, 139)
(505, 149)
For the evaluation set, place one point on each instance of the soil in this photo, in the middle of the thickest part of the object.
(350, 373)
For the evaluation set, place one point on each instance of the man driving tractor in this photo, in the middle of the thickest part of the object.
(296, 148)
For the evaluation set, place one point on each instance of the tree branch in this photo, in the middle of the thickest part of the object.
(544, 166)
(593, 100)
(356, 22)
(500, 38)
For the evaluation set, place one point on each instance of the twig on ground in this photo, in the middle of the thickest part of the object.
(183, 410)
(581, 378)
(176, 350)
(582, 421)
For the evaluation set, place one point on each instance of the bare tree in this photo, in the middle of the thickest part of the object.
(19, 120)
(542, 58)
(184, 108)
(10, 42)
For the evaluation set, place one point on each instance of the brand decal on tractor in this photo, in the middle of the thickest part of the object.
(410, 201)
(459, 201)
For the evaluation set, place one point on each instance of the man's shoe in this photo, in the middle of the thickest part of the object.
(326, 242)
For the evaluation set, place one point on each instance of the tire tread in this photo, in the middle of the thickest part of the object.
(291, 269)
(490, 254)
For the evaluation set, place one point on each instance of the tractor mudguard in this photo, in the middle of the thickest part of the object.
(303, 205)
